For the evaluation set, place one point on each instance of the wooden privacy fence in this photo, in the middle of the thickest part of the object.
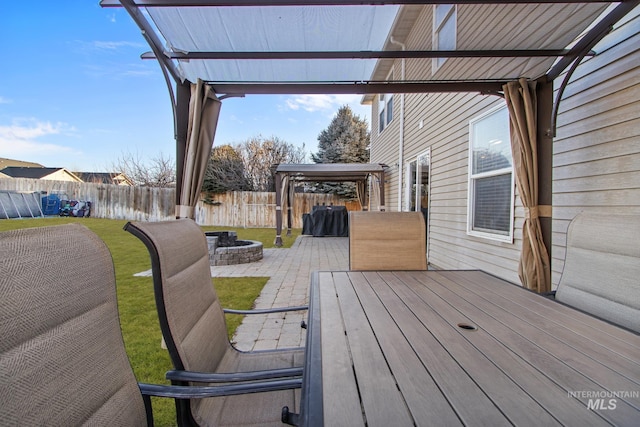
(233, 209)
(258, 209)
(107, 201)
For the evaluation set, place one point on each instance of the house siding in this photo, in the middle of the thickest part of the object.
(386, 151)
(596, 163)
(61, 175)
(445, 131)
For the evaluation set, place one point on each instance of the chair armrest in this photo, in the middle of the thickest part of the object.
(199, 392)
(208, 377)
(266, 310)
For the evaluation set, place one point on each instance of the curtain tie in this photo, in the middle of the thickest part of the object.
(537, 211)
(185, 211)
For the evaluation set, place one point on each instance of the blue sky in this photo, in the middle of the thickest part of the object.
(74, 92)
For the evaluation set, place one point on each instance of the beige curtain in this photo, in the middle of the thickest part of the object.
(204, 109)
(361, 192)
(534, 267)
(282, 180)
(375, 191)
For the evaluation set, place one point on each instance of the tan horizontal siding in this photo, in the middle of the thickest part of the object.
(597, 148)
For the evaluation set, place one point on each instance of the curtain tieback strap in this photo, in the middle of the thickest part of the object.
(534, 212)
(185, 211)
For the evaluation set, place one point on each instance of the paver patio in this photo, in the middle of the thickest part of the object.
(289, 276)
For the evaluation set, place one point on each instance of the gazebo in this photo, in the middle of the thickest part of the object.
(289, 174)
(334, 47)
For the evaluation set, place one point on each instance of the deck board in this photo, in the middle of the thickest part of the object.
(418, 387)
(380, 397)
(343, 406)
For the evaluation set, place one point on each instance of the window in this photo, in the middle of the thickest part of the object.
(385, 111)
(417, 188)
(385, 107)
(444, 31)
(491, 177)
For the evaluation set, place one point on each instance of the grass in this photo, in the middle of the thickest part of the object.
(138, 317)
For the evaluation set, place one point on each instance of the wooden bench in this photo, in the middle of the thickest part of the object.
(387, 241)
(601, 272)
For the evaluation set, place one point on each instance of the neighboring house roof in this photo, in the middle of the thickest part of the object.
(4, 163)
(116, 178)
(37, 172)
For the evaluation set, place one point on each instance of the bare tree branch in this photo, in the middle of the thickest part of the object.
(158, 171)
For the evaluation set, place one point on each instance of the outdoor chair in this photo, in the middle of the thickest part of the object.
(387, 241)
(601, 273)
(194, 329)
(62, 356)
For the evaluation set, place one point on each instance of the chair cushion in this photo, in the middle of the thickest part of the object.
(602, 268)
(62, 357)
(188, 300)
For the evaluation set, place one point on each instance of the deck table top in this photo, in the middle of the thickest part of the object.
(460, 348)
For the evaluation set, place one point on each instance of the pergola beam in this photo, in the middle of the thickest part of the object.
(365, 54)
(358, 88)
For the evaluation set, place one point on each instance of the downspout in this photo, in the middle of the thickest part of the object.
(401, 136)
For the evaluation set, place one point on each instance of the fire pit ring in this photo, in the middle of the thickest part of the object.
(226, 249)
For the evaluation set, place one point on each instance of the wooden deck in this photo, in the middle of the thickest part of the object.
(460, 348)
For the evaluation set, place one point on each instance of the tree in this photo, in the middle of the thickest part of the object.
(346, 140)
(159, 171)
(225, 171)
(261, 154)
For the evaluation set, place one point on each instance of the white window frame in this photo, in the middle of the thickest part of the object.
(410, 180)
(472, 177)
(438, 28)
(385, 106)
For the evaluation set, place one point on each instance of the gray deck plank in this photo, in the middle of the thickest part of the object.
(563, 364)
(382, 401)
(393, 354)
(421, 393)
(499, 388)
(610, 336)
(542, 389)
(341, 407)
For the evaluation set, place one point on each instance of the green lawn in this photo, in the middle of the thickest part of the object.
(136, 304)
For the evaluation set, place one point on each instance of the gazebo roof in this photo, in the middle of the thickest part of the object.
(335, 172)
(348, 46)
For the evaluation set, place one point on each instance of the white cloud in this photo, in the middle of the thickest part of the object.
(100, 45)
(21, 138)
(322, 103)
(235, 118)
(112, 45)
(4, 100)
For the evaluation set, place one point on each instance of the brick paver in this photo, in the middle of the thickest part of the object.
(289, 273)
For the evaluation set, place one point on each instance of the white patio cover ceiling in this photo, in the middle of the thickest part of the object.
(249, 42)
(275, 29)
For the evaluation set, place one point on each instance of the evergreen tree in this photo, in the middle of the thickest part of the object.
(345, 140)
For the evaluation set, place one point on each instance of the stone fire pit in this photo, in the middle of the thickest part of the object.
(226, 249)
